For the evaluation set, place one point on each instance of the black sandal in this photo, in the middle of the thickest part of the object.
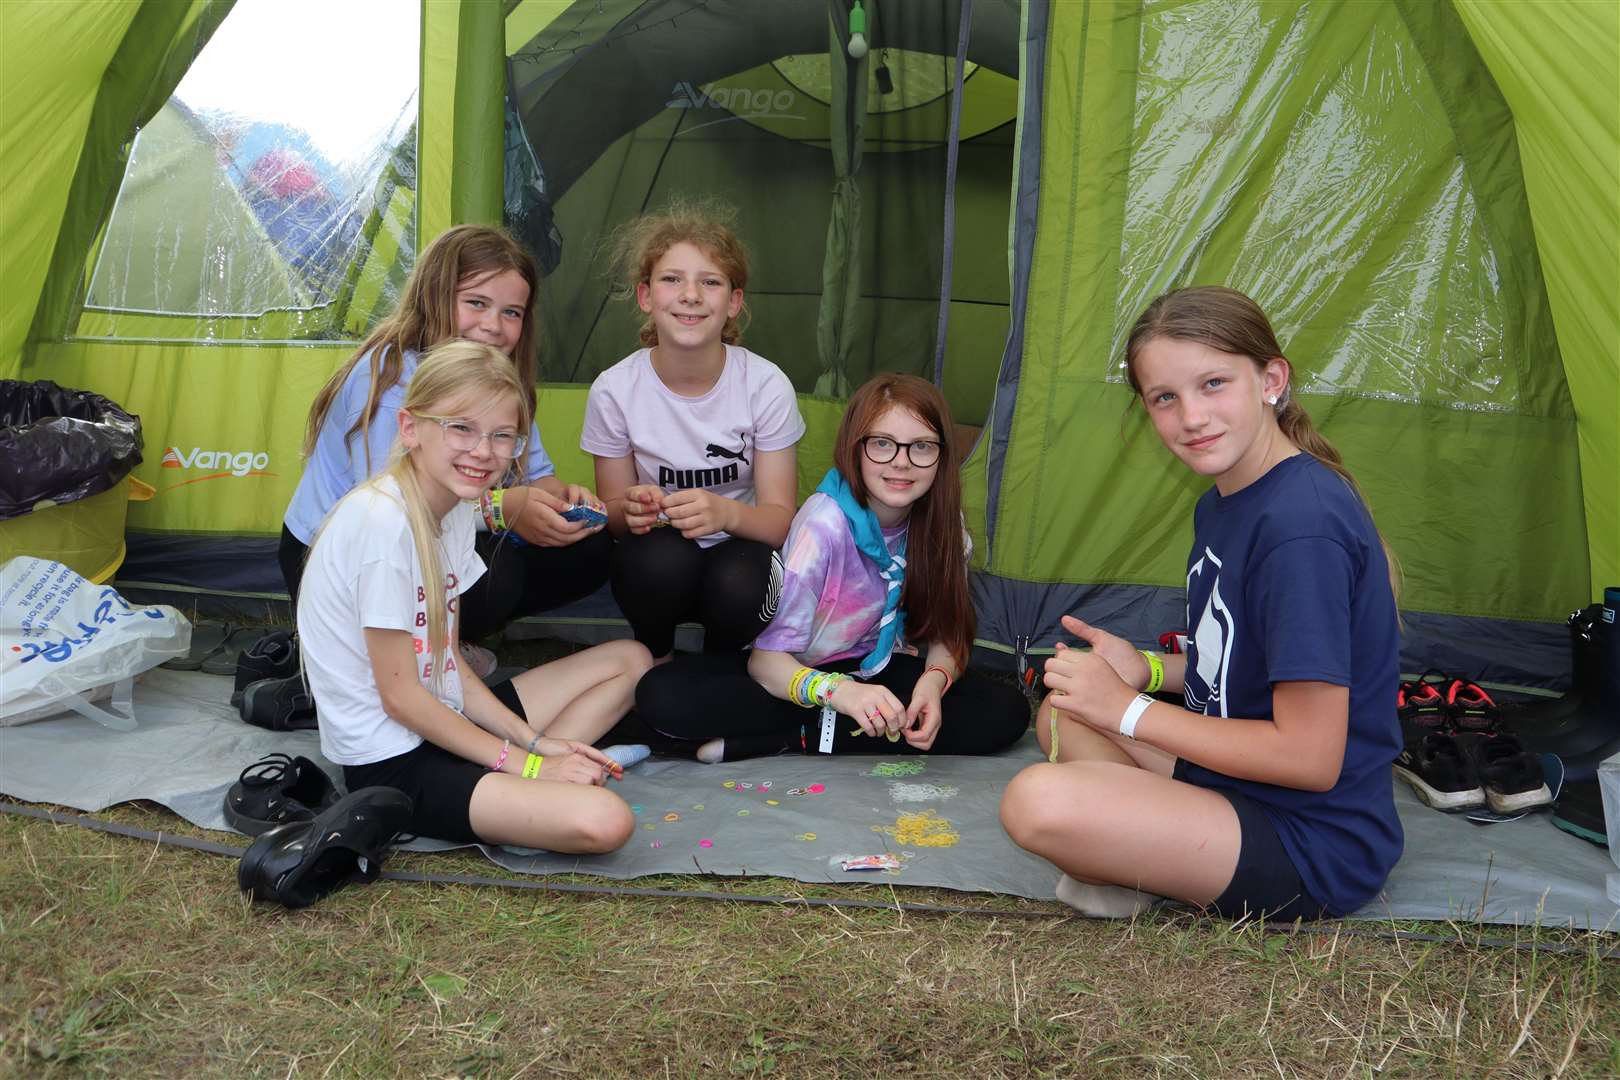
(275, 790)
(298, 863)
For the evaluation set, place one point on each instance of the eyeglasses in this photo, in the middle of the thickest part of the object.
(464, 438)
(880, 450)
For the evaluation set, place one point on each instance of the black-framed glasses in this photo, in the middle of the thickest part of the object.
(464, 438)
(880, 450)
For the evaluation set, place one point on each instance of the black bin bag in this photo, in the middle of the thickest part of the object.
(60, 445)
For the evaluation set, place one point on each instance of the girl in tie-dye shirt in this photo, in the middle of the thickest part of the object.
(873, 626)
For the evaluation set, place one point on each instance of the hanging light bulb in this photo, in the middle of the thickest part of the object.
(857, 32)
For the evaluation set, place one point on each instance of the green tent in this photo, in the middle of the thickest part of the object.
(1422, 194)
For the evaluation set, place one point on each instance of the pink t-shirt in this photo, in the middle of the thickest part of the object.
(832, 595)
(703, 442)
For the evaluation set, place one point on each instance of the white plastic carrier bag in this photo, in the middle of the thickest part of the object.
(66, 644)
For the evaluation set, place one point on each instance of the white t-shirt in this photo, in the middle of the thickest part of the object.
(362, 572)
(703, 442)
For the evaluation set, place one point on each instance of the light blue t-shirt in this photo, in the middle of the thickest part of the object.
(334, 468)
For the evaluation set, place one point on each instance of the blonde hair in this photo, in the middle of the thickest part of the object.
(1227, 320)
(452, 373)
(637, 246)
(427, 315)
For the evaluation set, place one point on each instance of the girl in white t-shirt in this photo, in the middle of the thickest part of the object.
(508, 764)
(694, 441)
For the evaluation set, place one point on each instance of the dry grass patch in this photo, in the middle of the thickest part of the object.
(124, 957)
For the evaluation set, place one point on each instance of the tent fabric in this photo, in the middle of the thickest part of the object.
(627, 105)
(57, 58)
(1558, 66)
(1203, 143)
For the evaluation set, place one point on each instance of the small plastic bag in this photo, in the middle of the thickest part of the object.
(66, 644)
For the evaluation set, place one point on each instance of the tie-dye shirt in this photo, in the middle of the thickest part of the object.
(832, 596)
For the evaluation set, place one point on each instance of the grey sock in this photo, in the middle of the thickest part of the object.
(1103, 901)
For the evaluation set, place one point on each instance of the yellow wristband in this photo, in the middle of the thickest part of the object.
(531, 767)
(1155, 672)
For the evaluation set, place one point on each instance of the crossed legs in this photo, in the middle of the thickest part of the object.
(1107, 812)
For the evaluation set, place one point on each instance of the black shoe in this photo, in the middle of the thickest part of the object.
(1440, 773)
(298, 863)
(273, 656)
(279, 705)
(1470, 708)
(1510, 774)
(276, 790)
(1421, 706)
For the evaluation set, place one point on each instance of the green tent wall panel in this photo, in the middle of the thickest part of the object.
(1499, 491)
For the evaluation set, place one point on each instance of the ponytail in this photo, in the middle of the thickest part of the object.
(429, 556)
(1297, 427)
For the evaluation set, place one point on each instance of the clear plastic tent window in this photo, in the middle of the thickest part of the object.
(273, 195)
(1323, 196)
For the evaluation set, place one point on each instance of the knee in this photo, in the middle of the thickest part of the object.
(604, 827)
(653, 693)
(633, 659)
(1036, 806)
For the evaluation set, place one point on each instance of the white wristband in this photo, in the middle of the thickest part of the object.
(1133, 712)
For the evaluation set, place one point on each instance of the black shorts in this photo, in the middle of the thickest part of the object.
(439, 783)
(1265, 882)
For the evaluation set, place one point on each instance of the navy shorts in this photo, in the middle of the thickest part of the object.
(1265, 882)
(439, 783)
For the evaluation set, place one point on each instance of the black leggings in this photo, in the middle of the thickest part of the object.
(706, 697)
(660, 578)
(519, 581)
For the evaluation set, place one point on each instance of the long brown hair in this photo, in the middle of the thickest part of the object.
(1227, 320)
(708, 226)
(935, 597)
(426, 316)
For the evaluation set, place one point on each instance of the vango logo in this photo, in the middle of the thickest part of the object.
(219, 462)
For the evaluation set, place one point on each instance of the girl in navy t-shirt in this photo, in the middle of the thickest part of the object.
(1271, 791)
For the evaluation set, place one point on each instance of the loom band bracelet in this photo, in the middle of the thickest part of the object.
(1155, 672)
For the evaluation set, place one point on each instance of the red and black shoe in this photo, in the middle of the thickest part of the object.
(1421, 706)
(1470, 708)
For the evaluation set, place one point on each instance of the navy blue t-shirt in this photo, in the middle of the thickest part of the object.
(1286, 582)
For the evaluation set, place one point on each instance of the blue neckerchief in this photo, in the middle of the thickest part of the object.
(868, 534)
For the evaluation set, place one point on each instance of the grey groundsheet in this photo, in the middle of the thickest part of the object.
(791, 816)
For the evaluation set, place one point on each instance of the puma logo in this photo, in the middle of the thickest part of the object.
(716, 450)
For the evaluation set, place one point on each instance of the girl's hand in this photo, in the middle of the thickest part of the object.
(575, 494)
(1130, 665)
(642, 504)
(540, 520)
(923, 715)
(698, 513)
(872, 706)
(1086, 685)
(571, 762)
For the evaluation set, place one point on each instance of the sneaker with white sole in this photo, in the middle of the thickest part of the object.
(1440, 772)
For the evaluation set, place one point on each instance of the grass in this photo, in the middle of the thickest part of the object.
(122, 957)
